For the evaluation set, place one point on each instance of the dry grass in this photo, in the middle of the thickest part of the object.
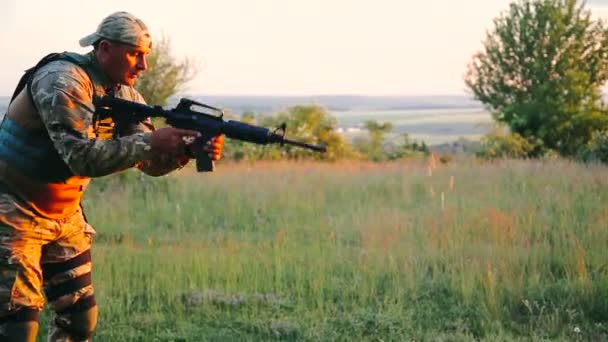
(354, 251)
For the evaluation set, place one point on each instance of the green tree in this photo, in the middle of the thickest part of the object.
(373, 145)
(541, 73)
(311, 124)
(166, 76)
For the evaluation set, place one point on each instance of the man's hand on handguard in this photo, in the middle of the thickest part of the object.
(214, 147)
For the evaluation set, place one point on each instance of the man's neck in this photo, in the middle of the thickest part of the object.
(103, 76)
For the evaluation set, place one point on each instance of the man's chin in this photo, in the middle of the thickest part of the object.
(130, 81)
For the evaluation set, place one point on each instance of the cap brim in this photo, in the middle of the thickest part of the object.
(89, 40)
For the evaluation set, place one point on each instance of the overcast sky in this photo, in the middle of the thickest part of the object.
(275, 46)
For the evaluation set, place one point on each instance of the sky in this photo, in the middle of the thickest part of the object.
(278, 47)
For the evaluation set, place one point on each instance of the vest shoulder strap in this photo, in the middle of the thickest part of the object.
(27, 77)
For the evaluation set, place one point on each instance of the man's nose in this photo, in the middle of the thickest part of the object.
(142, 63)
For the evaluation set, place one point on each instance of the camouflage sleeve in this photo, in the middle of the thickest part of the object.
(62, 93)
(160, 164)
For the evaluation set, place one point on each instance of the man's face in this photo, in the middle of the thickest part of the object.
(123, 63)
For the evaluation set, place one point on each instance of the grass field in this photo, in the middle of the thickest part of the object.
(354, 251)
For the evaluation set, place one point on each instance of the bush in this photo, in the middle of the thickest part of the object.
(498, 144)
(310, 124)
(407, 147)
(596, 149)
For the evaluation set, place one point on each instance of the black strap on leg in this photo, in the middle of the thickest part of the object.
(22, 315)
(70, 286)
(53, 269)
(82, 305)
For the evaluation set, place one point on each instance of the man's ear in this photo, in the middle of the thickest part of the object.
(103, 49)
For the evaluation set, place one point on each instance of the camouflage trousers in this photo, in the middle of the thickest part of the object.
(40, 258)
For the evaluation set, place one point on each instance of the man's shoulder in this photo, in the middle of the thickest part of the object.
(71, 65)
(60, 75)
(63, 73)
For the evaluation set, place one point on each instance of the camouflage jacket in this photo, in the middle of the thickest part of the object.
(63, 95)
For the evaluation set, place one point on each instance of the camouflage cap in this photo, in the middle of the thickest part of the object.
(122, 27)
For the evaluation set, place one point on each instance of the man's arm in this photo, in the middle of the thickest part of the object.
(160, 164)
(62, 94)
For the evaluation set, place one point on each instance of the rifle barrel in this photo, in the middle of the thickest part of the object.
(318, 148)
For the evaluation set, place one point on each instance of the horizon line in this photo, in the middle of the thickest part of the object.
(315, 95)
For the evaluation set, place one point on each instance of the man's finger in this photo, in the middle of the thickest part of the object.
(217, 139)
(187, 133)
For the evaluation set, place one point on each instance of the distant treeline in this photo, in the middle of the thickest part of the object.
(267, 103)
(270, 103)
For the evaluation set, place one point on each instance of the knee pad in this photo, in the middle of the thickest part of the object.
(19, 331)
(77, 322)
(20, 326)
(69, 291)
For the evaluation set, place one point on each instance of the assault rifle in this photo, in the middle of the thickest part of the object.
(185, 117)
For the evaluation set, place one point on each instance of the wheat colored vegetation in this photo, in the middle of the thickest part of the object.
(411, 250)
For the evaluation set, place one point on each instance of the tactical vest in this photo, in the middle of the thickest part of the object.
(29, 164)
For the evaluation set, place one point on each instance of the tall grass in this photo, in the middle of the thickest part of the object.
(353, 251)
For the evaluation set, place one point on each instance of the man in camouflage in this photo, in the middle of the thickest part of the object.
(51, 144)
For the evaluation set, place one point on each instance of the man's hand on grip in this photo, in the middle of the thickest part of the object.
(172, 141)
